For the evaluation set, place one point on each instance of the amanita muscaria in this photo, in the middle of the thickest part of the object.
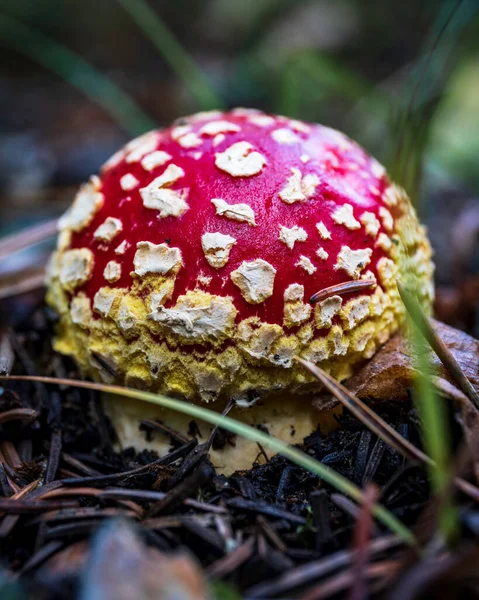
(187, 268)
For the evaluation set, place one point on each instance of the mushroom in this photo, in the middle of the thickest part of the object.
(207, 255)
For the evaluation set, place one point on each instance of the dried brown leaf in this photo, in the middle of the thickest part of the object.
(121, 566)
(390, 373)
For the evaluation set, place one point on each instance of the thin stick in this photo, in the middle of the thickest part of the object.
(29, 283)
(348, 287)
(27, 237)
(378, 426)
(327, 474)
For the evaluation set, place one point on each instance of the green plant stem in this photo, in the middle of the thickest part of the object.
(77, 72)
(332, 478)
(172, 52)
(435, 436)
(432, 412)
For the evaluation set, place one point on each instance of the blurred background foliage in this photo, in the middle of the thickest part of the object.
(78, 78)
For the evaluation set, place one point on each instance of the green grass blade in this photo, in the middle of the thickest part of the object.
(172, 52)
(340, 483)
(432, 411)
(77, 72)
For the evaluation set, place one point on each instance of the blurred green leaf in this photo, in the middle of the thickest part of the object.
(173, 52)
(77, 72)
(455, 132)
(10, 589)
(432, 411)
(223, 591)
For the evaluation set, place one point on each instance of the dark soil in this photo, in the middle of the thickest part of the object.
(248, 530)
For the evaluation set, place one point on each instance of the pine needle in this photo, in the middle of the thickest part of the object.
(301, 459)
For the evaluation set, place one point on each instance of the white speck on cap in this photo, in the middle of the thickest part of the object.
(299, 126)
(353, 261)
(214, 127)
(121, 249)
(236, 212)
(322, 254)
(294, 293)
(343, 215)
(104, 300)
(180, 130)
(384, 242)
(142, 145)
(305, 263)
(87, 203)
(296, 313)
(377, 169)
(290, 236)
(292, 191)
(76, 268)
(197, 322)
(355, 311)
(244, 111)
(326, 310)
(323, 231)
(371, 223)
(152, 258)
(387, 219)
(80, 310)
(262, 120)
(387, 271)
(217, 247)
(285, 136)
(240, 161)
(169, 203)
(128, 182)
(169, 176)
(255, 280)
(108, 230)
(218, 139)
(190, 140)
(157, 196)
(298, 188)
(155, 159)
(392, 195)
(112, 271)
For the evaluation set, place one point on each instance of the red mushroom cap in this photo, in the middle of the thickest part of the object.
(259, 209)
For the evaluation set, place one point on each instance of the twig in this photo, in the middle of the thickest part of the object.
(17, 507)
(54, 456)
(27, 237)
(18, 414)
(22, 284)
(365, 414)
(348, 287)
(362, 534)
(378, 425)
